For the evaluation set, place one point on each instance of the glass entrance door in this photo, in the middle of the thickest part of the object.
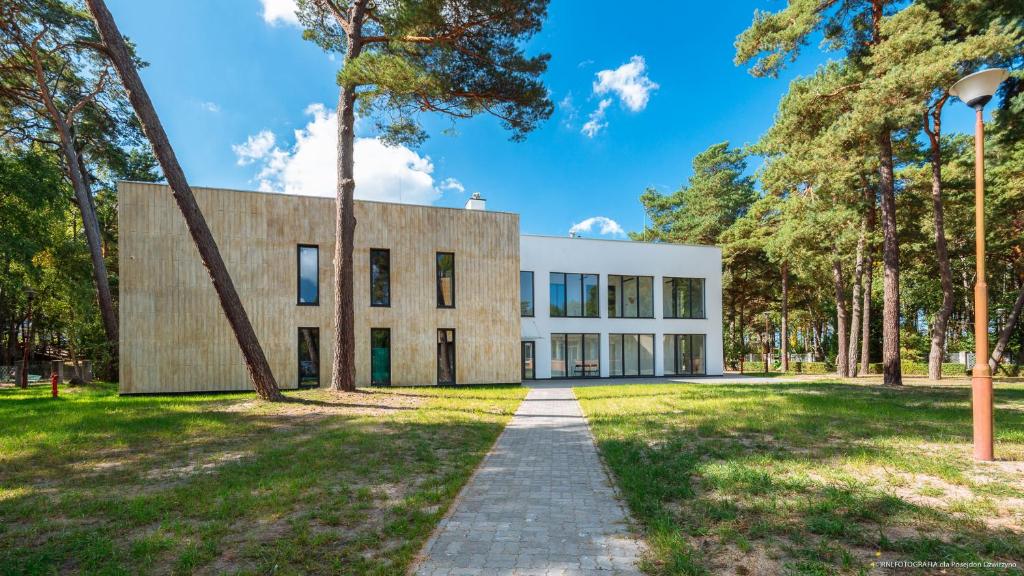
(529, 356)
(380, 356)
(446, 356)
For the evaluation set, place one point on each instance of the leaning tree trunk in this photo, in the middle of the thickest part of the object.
(117, 50)
(842, 363)
(855, 304)
(941, 322)
(893, 373)
(83, 198)
(784, 328)
(1004, 336)
(869, 280)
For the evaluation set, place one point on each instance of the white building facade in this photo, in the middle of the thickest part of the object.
(610, 308)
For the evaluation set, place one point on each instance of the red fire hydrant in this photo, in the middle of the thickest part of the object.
(53, 383)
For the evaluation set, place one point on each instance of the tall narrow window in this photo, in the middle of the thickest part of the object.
(309, 357)
(308, 257)
(684, 354)
(380, 356)
(630, 296)
(526, 294)
(683, 298)
(380, 277)
(575, 295)
(446, 356)
(445, 280)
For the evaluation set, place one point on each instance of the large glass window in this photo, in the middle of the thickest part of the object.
(630, 296)
(525, 293)
(309, 275)
(575, 355)
(380, 277)
(684, 354)
(683, 297)
(575, 295)
(631, 354)
(309, 357)
(380, 356)
(445, 280)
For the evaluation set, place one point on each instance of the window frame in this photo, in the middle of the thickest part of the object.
(621, 296)
(639, 348)
(675, 347)
(437, 359)
(390, 348)
(583, 346)
(298, 356)
(387, 253)
(689, 291)
(437, 278)
(533, 294)
(298, 274)
(582, 294)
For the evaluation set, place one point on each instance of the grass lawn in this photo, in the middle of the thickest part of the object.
(354, 483)
(812, 478)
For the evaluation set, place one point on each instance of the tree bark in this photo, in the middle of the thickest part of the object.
(842, 363)
(117, 51)
(343, 368)
(1004, 335)
(941, 321)
(892, 370)
(869, 280)
(83, 198)
(855, 303)
(784, 341)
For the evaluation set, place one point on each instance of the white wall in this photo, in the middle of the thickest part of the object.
(545, 254)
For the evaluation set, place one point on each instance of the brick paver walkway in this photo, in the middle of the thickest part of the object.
(540, 504)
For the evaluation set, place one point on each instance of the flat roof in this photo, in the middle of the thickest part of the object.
(621, 241)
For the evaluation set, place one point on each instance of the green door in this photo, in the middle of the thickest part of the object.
(380, 356)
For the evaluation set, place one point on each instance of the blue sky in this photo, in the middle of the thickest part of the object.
(248, 104)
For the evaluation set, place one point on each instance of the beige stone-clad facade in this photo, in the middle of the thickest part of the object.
(174, 337)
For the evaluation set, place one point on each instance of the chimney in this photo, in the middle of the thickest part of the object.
(476, 202)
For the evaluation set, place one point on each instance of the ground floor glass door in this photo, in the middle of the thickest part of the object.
(309, 357)
(529, 360)
(380, 356)
(446, 356)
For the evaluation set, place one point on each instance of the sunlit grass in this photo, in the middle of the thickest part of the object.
(811, 478)
(353, 483)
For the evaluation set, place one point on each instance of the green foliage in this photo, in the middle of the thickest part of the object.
(921, 369)
(458, 58)
(811, 367)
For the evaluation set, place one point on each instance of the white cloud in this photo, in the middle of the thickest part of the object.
(210, 106)
(605, 227)
(386, 173)
(569, 111)
(255, 148)
(629, 82)
(595, 122)
(282, 11)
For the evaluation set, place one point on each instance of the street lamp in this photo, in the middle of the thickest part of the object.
(976, 90)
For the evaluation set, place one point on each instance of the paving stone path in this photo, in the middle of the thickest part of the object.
(540, 504)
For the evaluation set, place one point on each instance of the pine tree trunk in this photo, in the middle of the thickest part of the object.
(893, 374)
(855, 303)
(784, 352)
(1004, 335)
(344, 365)
(869, 280)
(83, 198)
(941, 323)
(842, 363)
(117, 51)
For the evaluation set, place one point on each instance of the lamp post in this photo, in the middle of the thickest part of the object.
(27, 338)
(976, 90)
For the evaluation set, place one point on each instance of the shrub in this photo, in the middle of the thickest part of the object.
(921, 369)
(809, 368)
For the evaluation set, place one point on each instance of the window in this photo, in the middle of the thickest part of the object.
(445, 280)
(684, 354)
(380, 277)
(574, 295)
(308, 257)
(631, 354)
(526, 294)
(683, 297)
(630, 296)
(309, 357)
(380, 356)
(529, 353)
(575, 355)
(446, 356)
